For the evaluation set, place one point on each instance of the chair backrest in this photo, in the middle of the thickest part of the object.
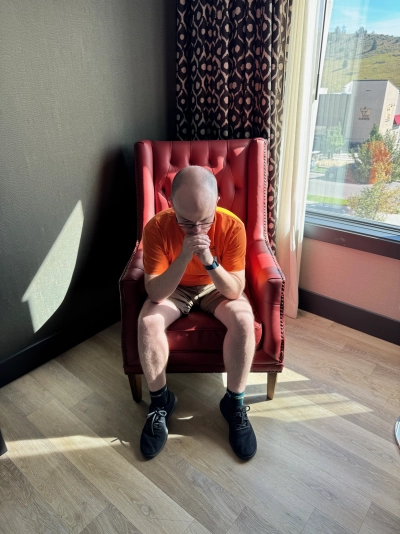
(240, 167)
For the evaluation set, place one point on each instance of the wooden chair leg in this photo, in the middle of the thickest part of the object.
(271, 383)
(135, 381)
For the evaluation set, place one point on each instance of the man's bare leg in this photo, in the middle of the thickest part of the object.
(154, 319)
(238, 350)
(153, 352)
(239, 342)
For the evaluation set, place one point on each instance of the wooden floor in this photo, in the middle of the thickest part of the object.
(327, 461)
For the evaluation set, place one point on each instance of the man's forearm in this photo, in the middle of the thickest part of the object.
(227, 284)
(163, 286)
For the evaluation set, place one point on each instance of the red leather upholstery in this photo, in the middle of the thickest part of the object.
(241, 169)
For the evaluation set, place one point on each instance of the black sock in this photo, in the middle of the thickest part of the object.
(159, 398)
(236, 399)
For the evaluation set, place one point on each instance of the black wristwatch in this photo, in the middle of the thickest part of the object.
(214, 264)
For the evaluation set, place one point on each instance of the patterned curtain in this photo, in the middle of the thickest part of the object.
(231, 59)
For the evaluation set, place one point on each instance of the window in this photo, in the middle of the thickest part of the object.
(354, 179)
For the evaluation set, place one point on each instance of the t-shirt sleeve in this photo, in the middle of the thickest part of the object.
(234, 257)
(155, 260)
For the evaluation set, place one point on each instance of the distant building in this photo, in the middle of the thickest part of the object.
(360, 105)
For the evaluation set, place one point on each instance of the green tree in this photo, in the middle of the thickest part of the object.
(334, 139)
(363, 158)
(376, 201)
(392, 145)
(361, 169)
(374, 44)
(374, 135)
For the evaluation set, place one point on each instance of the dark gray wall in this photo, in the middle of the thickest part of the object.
(79, 81)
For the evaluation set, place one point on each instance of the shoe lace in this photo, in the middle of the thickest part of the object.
(239, 418)
(153, 420)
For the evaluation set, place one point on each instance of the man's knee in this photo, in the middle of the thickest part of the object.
(239, 316)
(155, 318)
(151, 324)
(244, 320)
(150, 321)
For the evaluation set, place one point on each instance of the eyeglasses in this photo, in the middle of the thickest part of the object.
(190, 226)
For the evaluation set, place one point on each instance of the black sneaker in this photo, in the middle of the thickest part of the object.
(155, 432)
(241, 434)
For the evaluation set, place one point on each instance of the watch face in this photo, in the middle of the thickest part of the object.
(214, 264)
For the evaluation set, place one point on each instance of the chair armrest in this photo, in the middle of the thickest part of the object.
(132, 295)
(267, 284)
(131, 282)
(263, 273)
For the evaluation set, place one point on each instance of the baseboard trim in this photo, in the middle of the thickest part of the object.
(28, 359)
(363, 320)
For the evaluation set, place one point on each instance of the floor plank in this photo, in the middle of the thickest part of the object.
(60, 383)
(380, 521)
(110, 521)
(27, 394)
(196, 528)
(249, 521)
(320, 523)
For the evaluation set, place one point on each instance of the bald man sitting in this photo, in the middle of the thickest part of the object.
(194, 257)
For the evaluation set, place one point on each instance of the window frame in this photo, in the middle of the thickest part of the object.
(362, 234)
(369, 236)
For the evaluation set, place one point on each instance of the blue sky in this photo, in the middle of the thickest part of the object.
(380, 16)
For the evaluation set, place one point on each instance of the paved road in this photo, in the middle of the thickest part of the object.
(321, 187)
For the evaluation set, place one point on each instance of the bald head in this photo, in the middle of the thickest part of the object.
(194, 192)
(194, 179)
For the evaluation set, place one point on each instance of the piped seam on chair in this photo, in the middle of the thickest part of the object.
(282, 324)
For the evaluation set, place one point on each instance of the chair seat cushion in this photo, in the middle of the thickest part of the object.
(203, 331)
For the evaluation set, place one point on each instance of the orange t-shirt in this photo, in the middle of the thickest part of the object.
(163, 239)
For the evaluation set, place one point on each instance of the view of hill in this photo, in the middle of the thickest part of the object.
(359, 56)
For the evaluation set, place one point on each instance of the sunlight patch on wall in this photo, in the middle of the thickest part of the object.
(50, 284)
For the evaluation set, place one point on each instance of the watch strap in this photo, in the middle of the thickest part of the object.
(214, 265)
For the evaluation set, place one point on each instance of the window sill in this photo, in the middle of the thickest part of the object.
(350, 232)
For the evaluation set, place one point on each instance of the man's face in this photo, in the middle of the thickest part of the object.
(194, 221)
(195, 228)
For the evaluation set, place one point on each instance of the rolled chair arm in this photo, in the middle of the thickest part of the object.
(132, 279)
(133, 295)
(267, 284)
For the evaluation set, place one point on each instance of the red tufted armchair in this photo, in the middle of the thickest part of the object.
(195, 341)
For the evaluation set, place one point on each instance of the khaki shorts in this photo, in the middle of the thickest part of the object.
(205, 298)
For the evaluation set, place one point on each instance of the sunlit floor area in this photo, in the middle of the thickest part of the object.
(327, 460)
